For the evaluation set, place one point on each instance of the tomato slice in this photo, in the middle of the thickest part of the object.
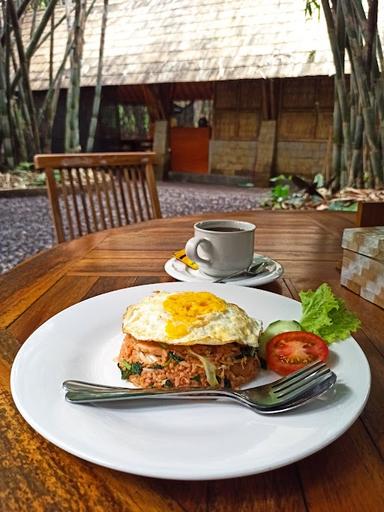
(290, 351)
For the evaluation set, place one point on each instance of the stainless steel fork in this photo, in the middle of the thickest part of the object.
(281, 395)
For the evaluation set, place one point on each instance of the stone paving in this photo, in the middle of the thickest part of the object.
(26, 228)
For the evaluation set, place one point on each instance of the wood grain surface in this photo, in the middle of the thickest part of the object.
(35, 475)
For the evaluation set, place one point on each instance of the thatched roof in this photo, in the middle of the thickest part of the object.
(160, 41)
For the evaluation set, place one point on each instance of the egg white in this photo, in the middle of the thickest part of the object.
(147, 321)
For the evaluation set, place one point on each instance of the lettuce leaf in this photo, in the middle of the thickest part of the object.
(327, 315)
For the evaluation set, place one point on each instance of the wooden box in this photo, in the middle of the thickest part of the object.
(363, 262)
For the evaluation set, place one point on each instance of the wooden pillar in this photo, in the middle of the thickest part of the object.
(161, 147)
(158, 98)
(266, 143)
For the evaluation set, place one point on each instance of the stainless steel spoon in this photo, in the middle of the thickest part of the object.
(253, 270)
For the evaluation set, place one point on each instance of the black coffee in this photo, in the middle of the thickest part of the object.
(223, 229)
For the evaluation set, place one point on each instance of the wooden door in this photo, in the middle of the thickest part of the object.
(190, 150)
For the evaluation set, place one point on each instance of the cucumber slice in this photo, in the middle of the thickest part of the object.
(274, 329)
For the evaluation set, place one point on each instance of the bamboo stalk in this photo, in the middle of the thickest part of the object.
(371, 34)
(377, 58)
(23, 154)
(72, 137)
(361, 113)
(34, 6)
(369, 177)
(337, 144)
(343, 99)
(97, 96)
(25, 75)
(8, 125)
(20, 11)
(357, 153)
(337, 57)
(55, 86)
(21, 102)
(47, 126)
(49, 107)
(336, 34)
(10, 60)
(31, 48)
(48, 34)
(368, 110)
(51, 48)
(58, 23)
(5, 129)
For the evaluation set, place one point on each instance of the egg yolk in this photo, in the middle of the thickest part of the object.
(186, 308)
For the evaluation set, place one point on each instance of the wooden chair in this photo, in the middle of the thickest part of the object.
(370, 214)
(90, 192)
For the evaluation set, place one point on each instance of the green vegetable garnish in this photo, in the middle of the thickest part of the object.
(128, 369)
(327, 315)
(246, 351)
(157, 366)
(172, 356)
(175, 357)
(196, 378)
(168, 384)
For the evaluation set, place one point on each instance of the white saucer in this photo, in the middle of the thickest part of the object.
(181, 272)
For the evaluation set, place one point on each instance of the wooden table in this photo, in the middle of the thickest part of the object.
(36, 475)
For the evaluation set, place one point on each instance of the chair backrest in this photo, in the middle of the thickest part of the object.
(370, 214)
(90, 192)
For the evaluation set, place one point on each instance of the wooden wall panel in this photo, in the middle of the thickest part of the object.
(298, 93)
(306, 108)
(249, 124)
(226, 95)
(225, 124)
(237, 110)
(325, 92)
(250, 95)
(297, 125)
(324, 125)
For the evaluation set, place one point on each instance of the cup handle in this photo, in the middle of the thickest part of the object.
(191, 250)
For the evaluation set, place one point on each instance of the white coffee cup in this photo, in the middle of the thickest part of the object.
(221, 247)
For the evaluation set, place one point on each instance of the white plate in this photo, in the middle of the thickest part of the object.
(183, 440)
(181, 272)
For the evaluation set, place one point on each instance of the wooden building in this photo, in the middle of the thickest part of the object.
(266, 69)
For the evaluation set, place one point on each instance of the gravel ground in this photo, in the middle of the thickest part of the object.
(26, 228)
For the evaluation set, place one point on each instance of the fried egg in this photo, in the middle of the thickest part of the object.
(190, 318)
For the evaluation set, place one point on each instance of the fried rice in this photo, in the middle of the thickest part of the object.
(151, 364)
